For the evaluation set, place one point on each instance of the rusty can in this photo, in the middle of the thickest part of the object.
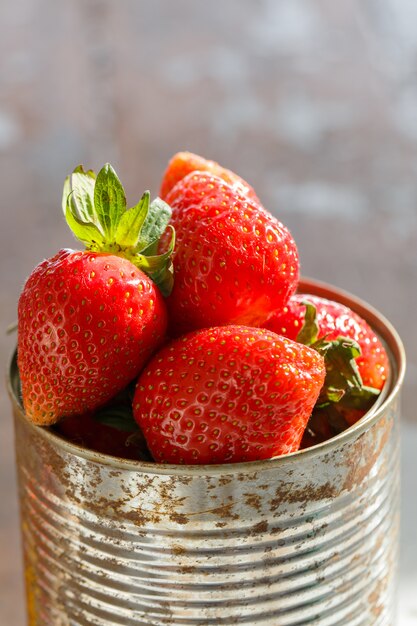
(305, 539)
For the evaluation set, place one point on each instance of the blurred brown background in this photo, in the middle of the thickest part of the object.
(314, 102)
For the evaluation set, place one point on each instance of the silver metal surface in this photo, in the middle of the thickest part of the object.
(305, 539)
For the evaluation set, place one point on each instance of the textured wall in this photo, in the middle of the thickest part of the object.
(313, 101)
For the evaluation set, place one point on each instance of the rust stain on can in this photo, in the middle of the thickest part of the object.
(376, 597)
(30, 586)
(259, 528)
(292, 495)
(253, 500)
(365, 454)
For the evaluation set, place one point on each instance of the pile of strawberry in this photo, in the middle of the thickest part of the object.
(177, 333)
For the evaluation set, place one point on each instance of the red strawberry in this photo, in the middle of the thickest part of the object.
(184, 163)
(356, 361)
(84, 430)
(87, 324)
(110, 430)
(334, 320)
(227, 394)
(234, 262)
(88, 321)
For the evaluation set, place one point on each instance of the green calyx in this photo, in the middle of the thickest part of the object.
(343, 387)
(96, 211)
(119, 417)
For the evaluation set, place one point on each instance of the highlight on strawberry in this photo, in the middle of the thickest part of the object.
(88, 320)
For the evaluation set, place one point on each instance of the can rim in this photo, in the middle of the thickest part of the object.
(377, 321)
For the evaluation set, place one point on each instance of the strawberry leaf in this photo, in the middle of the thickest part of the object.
(80, 185)
(86, 232)
(343, 383)
(332, 394)
(310, 329)
(360, 398)
(129, 229)
(159, 267)
(109, 200)
(78, 207)
(156, 221)
(343, 380)
(119, 417)
(339, 356)
(95, 210)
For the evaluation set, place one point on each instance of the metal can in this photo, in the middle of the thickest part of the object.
(309, 538)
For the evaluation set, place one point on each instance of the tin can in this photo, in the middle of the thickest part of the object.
(309, 538)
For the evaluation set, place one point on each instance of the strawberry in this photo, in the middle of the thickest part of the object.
(334, 320)
(88, 320)
(356, 381)
(110, 430)
(84, 430)
(184, 163)
(227, 394)
(234, 262)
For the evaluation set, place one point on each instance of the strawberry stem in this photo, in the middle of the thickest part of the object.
(343, 386)
(95, 209)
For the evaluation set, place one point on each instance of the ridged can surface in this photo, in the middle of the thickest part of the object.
(305, 539)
